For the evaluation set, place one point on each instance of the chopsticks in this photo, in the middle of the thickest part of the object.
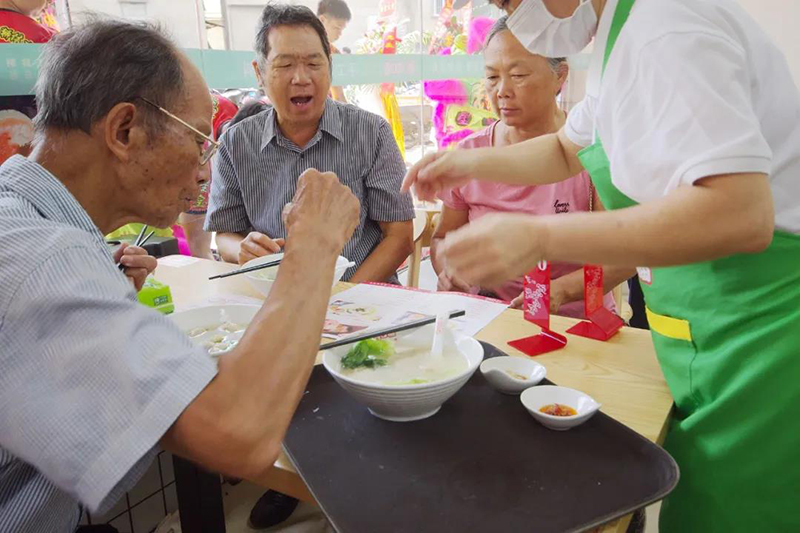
(385, 331)
(144, 241)
(140, 241)
(139, 237)
(268, 264)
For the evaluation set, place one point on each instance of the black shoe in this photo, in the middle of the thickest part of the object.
(271, 509)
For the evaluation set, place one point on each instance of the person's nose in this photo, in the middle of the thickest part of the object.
(203, 173)
(504, 88)
(301, 76)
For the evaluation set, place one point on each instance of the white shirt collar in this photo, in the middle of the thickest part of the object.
(599, 51)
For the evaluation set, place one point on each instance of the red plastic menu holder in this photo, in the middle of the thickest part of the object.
(537, 310)
(602, 323)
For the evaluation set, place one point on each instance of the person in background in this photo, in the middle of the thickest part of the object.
(92, 383)
(18, 22)
(256, 169)
(250, 109)
(192, 221)
(522, 88)
(259, 159)
(18, 26)
(334, 14)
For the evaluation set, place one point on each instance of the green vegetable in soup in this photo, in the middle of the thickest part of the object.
(370, 353)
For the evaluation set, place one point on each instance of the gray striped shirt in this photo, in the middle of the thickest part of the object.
(89, 378)
(256, 170)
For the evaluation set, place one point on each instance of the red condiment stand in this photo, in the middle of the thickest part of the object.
(602, 323)
(536, 307)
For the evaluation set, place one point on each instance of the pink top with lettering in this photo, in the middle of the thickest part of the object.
(482, 198)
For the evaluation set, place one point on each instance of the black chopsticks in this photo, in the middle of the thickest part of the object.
(386, 331)
(140, 241)
(268, 264)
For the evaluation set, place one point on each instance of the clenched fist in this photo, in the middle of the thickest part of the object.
(323, 213)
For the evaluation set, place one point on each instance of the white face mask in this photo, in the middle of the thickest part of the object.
(544, 34)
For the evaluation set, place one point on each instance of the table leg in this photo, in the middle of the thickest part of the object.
(199, 498)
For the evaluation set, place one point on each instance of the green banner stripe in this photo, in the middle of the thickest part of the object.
(229, 69)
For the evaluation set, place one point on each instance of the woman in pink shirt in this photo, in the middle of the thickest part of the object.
(523, 89)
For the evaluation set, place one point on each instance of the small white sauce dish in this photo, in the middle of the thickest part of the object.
(506, 373)
(537, 397)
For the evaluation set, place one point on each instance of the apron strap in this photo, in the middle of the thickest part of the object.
(621, 14)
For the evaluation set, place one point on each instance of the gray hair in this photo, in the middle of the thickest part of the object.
(275, 15)
(502, 25)
(87, 70)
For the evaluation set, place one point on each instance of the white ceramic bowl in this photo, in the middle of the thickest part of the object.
(537, 397)
(202, 317)
(262, 280)
(496, 371)
(405, 403)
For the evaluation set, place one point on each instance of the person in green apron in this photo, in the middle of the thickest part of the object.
(691, 133)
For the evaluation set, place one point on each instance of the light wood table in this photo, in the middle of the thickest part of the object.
(622, 374)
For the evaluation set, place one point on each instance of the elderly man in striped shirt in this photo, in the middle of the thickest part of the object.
(92, 383)
(256, 169)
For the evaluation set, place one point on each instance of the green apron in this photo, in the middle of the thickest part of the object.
(727, 335)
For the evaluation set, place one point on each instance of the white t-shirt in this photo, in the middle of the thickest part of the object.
(693, 88)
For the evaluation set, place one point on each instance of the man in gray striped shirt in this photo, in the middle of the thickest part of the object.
(256, 169)
(91, 381)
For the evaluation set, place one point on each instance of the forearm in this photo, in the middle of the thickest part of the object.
(692, 224)
(228, 246)
(614, 276)
(541, 160)
(247, 408)
(385, 259)
(571, 286)
(436, 260)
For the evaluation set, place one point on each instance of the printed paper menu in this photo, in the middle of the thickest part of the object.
(374, 306)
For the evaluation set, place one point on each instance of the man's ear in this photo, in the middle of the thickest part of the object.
(122, 129)
(562, 72)
(257, 71)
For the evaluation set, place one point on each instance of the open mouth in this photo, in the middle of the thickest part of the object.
(301, 101)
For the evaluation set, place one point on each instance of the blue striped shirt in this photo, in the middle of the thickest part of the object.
(256, 170)
(89, 378)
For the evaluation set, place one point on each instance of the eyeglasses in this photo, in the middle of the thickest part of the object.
(211, 146)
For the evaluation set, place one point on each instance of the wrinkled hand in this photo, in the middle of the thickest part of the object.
(438, 172)
(517, 302)
(557, 299)
(136, 262)
(323, 213)
(258, 245)
(448, 283)
(494, 249)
